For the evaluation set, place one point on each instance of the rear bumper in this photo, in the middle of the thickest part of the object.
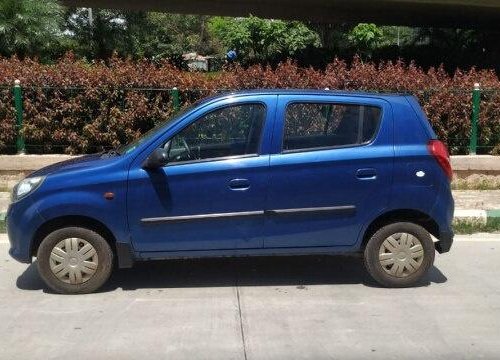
(442, 213)
(445, 241)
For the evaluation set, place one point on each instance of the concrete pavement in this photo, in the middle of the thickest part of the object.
(260, 308)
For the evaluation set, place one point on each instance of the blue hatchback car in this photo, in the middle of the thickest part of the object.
(280, 172)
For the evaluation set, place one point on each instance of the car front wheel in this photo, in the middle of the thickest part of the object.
(74, 260)
(399, 254)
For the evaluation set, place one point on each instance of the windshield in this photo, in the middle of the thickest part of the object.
(124, 149)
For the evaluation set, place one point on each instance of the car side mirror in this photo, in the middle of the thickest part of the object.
(157, 159)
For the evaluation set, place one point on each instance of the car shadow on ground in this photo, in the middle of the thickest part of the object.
(252, 271)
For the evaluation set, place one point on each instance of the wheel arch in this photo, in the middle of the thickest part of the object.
(68, 221)
(401, 215)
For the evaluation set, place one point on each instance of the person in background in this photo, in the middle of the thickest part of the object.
(231, 56)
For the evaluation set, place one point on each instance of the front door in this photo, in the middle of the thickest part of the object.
(331, 167)
(211, 194)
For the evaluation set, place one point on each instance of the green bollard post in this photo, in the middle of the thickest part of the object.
(175, 99)
(476, 100)
(18, 104)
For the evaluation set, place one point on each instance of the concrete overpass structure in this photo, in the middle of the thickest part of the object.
(439, 13)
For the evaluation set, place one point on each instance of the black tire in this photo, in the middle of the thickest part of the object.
(104, 265)
(374, 266)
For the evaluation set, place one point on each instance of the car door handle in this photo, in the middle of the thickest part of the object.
(239, 184)
(366, 174)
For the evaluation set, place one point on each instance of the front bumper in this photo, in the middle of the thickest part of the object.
(22, 222)
(445, 241)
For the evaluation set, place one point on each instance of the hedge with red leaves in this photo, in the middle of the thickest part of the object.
(76, 107)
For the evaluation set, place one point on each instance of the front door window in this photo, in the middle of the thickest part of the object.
(226, 132)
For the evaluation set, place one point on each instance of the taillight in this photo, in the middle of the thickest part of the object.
(440, 153)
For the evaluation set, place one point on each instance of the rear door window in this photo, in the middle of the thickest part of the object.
(327, 125)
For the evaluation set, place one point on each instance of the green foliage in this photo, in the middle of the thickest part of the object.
(366, 37)
(43, 29)
(177, 34)
(398, 36)
(97, 35)
(470, 227)
(450, 39)
(30, 27)
(261, 39)
(94, 33)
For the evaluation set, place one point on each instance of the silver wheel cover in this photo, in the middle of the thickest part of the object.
(401, 255)
(73, 261)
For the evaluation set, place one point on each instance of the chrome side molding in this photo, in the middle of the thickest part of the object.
(347, 209)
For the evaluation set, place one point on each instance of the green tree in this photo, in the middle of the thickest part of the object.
(94, 33)
(160, 35)
(30, 27)
(398, 36)
(366, 37)
(448, 39)
(261, 39)
(332, 36)
(99, 33)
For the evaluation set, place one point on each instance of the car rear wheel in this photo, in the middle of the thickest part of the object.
(399, 254)
(74, 260)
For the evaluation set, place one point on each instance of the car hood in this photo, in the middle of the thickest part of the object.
(76, 163)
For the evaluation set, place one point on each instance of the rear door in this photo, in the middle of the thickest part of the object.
(331, 169)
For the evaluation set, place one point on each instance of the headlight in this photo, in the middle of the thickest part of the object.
(26, 187)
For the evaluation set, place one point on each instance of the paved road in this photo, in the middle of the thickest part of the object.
(265, 308)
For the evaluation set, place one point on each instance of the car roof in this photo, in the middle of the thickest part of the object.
(306, 92)
(315, 92)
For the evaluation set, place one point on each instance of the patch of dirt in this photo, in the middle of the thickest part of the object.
(477, 182)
